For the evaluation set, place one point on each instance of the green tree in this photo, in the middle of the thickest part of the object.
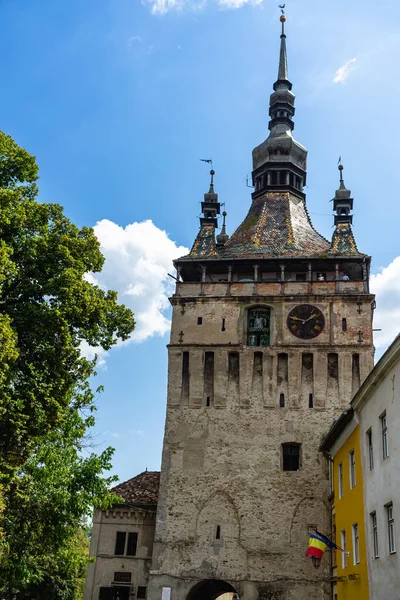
(47, 309)
(48, 505)
(48, 485)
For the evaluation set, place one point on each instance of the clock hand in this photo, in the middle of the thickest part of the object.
(311, 317)
(297, 319)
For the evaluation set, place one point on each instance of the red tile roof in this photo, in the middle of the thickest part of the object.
(142, 489)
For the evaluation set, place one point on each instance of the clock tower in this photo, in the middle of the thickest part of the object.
(271, 335)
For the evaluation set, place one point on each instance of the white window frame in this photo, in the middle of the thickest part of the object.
(356, 544)
(352, 469)
(370, 449)
(340, 480)
(343, 545)
(391, 532)
(375, 540)
(385, 441)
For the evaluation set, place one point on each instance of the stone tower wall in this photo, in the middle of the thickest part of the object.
(226, 509)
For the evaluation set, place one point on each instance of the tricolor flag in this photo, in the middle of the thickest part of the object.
(319, 543)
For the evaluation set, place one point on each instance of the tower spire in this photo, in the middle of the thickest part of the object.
(280, 162)
(283, 68)
(343, 241)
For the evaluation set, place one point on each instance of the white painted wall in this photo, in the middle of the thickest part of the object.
(382, 484)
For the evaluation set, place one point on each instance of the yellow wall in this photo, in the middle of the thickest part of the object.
(350, 510)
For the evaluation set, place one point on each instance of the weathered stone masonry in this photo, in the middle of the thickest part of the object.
(271, 335)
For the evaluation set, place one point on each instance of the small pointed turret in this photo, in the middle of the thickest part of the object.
(343, 241)
(210, 207)
(223, 237)
(204, 244)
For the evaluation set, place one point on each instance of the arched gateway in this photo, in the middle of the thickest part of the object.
(210, 589)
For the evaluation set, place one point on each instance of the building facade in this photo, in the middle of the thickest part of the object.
(378, 406)
(122, 542)
(271, 336)
(343, 451)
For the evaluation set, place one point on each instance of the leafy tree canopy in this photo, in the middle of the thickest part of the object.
(47, 308)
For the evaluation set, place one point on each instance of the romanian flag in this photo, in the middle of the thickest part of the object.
(318, 544)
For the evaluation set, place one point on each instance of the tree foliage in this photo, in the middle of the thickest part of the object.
(48, 483)
(47, 308)
(47, 506)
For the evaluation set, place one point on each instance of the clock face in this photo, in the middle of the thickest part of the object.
(305, 321)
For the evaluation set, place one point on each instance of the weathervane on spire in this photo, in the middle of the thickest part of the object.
(212, 172)
(282, 17)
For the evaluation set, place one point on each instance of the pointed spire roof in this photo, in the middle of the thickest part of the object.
(204, 244)
(283, 68)
(280, 145)
(343, 242)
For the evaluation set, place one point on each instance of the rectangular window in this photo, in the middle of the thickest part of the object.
(310, 401)
(343, 546)
(105, 593)
(258, 327)
(120, 543)
(370, 450)
(390, 521)
(132, 544)
(199, 320)
(122, 577)
(282, 400)
(352, 467)
(340, 480)
(385, 445)
(141, 591)
(301, 276)
(344, 325)
(356, 551)
(291, 457)
(374, 528)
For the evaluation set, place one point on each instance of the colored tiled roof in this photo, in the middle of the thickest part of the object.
(277, 225)
(204, 244)
(343, 241)
(142, 489)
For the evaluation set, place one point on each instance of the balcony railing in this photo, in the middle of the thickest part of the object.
(285, 288)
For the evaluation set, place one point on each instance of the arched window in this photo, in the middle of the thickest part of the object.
(258, 327)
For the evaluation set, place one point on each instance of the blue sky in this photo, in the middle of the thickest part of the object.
(119, 99)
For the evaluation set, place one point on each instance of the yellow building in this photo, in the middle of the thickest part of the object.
(342, 449)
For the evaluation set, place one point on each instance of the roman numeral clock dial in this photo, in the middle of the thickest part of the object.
(305, 321)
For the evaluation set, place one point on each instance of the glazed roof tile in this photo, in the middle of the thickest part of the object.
(343, 241)
(204, 244)
(277, 225)
(142, 489)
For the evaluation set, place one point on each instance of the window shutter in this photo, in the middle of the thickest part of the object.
(120, 543)
(132, 544)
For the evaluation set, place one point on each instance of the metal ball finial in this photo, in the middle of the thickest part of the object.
(282, 18)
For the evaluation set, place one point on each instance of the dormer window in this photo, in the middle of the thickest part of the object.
(258, 327)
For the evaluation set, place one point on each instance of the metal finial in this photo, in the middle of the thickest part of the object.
(340, 167)
(282, 18)
(223, 222)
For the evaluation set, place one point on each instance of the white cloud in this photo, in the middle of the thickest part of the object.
(386, 286)
(162, 7)
(238, 3)
(138, 260)
(344, 71)
(90, 352)
(134, 39)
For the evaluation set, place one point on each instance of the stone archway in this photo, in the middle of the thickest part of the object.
(210, 589)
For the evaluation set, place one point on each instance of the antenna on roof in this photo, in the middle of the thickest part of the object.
(247, 182)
